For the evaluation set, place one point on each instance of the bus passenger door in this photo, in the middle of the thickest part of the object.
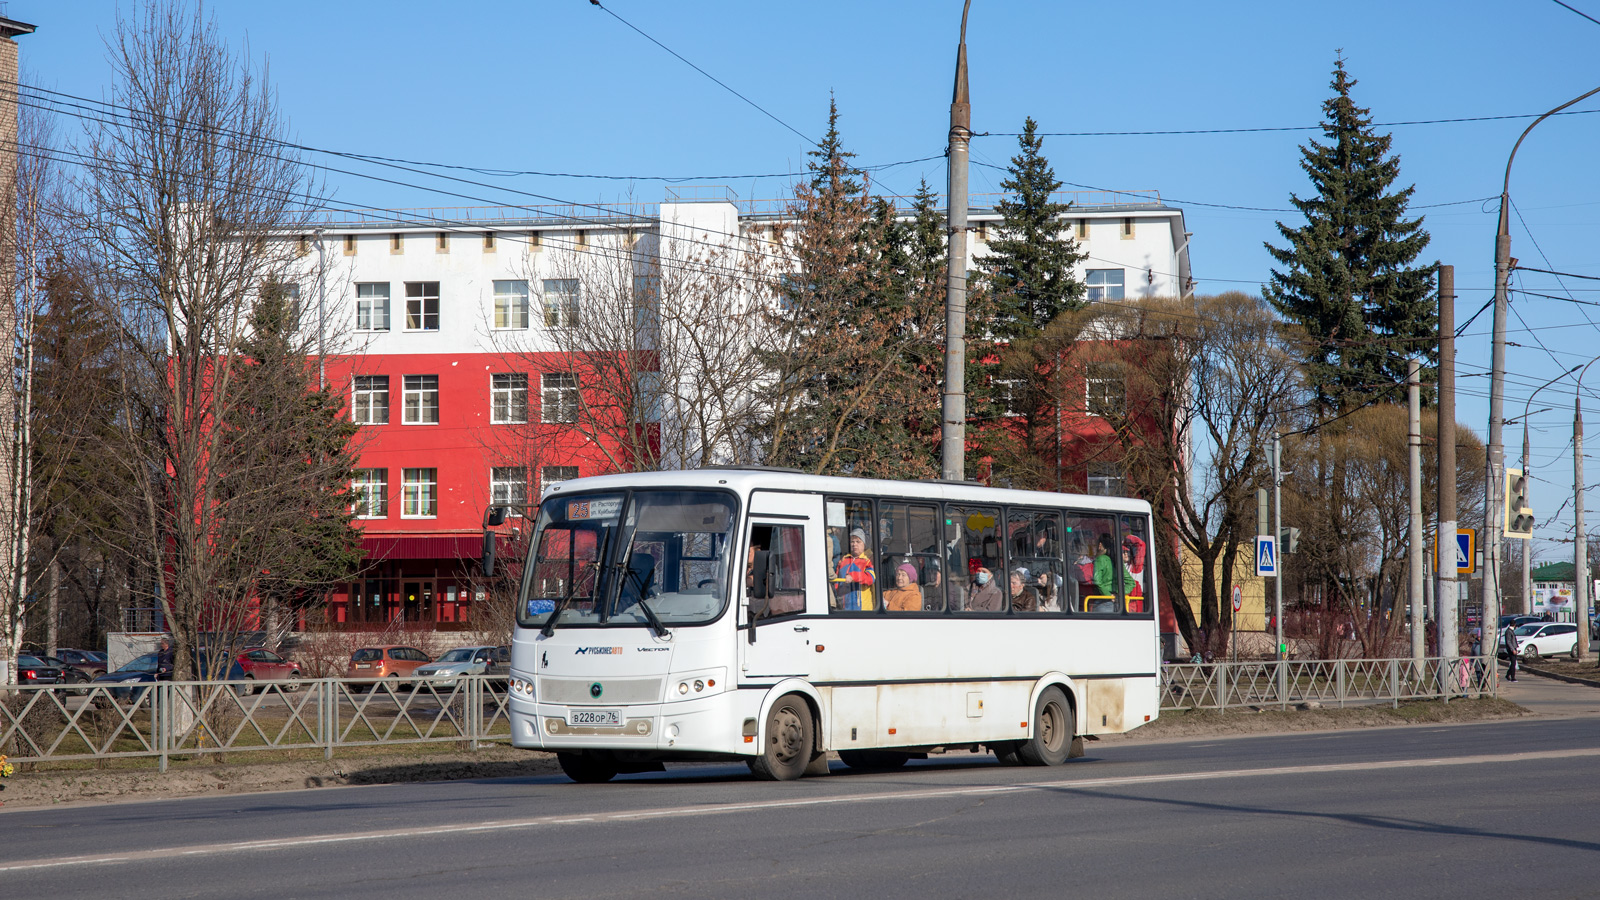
(784, 569)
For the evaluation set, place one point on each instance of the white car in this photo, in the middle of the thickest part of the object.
(1538, 639)
(476, 660)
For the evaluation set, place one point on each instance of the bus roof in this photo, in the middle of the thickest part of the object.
(745, 480)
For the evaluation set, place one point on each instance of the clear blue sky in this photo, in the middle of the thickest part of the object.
(561, 86)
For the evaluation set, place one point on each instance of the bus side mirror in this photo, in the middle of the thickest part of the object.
(488, 554)
(497, 516)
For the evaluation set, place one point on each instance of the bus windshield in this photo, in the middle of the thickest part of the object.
(617, 559)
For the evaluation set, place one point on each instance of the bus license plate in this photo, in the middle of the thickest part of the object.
(606, 717)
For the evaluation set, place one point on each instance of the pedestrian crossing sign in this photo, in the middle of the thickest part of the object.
(1266, 555)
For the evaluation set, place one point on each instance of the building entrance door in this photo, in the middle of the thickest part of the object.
(416, 598)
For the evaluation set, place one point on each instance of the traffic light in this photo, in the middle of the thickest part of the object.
(1288, 540)
(1519, 515)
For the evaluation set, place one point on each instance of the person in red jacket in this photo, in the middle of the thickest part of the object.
(1133, 561)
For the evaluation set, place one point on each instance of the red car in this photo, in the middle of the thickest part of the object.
(261, 664)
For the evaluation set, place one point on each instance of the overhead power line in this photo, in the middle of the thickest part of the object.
(1578, 11)
(691, 65)
(1573, 112)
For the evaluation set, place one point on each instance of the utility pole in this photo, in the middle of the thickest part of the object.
(1446, 623)
(953, 440)
(1277, 582)
(1415, 552)
(1580, 544)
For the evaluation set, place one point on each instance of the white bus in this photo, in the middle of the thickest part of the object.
(771, 617)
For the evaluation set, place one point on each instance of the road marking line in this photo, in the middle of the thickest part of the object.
(724, 808)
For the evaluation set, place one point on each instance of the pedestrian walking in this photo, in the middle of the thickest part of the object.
(1509, 639)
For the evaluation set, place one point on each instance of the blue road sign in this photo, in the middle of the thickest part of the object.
(1266, 555)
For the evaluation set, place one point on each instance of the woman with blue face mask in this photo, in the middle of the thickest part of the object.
(984, 595)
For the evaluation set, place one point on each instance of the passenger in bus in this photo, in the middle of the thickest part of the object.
(1049, 587)
(1023, 597)
(904, 596)
(1105, 576)
(1133, 562)
(855, 576)
(984, 594)
(933, 588)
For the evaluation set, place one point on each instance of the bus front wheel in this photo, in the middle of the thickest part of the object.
(787, 749)
(1052, 731)
(586, 769)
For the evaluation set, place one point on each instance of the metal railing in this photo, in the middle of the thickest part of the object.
(1327, 682)
(167, 719)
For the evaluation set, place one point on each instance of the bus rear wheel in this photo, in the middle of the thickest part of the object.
(1052, 731)
(586, 769)
(787, 749)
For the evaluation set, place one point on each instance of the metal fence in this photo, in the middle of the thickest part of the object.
(1331, 682)
(93, 722)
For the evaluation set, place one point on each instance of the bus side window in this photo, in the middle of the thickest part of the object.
(1093, 561)
(776, 572)
(1035, 560)
(976, 565)
(852, 552)
(1136, 569)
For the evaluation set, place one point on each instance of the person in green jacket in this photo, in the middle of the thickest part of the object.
(1105, 575)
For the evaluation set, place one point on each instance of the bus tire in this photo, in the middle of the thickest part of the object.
(881, 760)
(1052, 731)
(787, 750)
(586, 769)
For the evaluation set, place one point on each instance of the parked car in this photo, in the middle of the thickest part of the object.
(144, 670)
(261, 664)
(33, 670)
(387, 661)
(1538, 639)
(474, 660)
(90, 662)
(1515, 621)
(70, 674)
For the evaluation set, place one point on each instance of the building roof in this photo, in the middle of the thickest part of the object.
(1560, 571)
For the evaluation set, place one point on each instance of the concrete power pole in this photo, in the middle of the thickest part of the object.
(953, 441)
(1445, 620)
(1415, 553)
(1580, 544)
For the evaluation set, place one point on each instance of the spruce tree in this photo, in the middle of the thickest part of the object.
(1349, 274)
(1024, 283)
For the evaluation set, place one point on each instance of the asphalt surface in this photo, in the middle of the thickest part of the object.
(1493, 809)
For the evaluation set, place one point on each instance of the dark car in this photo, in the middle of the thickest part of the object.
(144, 670)
(33, 670)
(90, 662)
(70, 674)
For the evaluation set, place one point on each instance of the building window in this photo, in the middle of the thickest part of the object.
(441, 242)
(302, 245)
(372, 307)
(580, 240)
(488, 242)
(533, 240)
(1127, 229)
(1105, 284)
(508, 486)
(1106, 480)
(422, 306)
(421, 400)
(511, 304)
(371, 406)
(558, 400)
(419, 493)
(508, 399)
(549, 475)
(370, 490)
(397, 243)
(349, 245)
(560, 302)
(1083, 229)
(1105, 393)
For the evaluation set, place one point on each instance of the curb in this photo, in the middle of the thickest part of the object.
(1570, 679)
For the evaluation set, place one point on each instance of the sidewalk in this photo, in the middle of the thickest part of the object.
(1549, 697)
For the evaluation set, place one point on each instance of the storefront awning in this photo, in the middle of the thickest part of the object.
(451, 547)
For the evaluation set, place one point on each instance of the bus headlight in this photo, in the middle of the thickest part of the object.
(683, 687)
(522, 688)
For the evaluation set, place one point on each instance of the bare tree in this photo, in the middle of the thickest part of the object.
(1207, 383)
(193, 185)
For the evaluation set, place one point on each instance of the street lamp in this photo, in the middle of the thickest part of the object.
(1527, 551)
(1495, 496)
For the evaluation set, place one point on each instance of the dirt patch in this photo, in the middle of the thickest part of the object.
(1580, 672)
(189, 778)
(1267, 720)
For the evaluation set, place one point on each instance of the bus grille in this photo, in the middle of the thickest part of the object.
(576, 691)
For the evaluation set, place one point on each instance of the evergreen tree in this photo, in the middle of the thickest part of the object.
(1349, 276)
(294, 481)
(1024, 284)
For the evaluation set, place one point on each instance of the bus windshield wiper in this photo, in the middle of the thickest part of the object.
(641, 582)
(572, 590)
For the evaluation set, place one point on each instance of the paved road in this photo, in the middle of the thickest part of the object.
(1498, 809)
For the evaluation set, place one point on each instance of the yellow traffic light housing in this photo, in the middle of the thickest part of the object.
(1519, 515)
